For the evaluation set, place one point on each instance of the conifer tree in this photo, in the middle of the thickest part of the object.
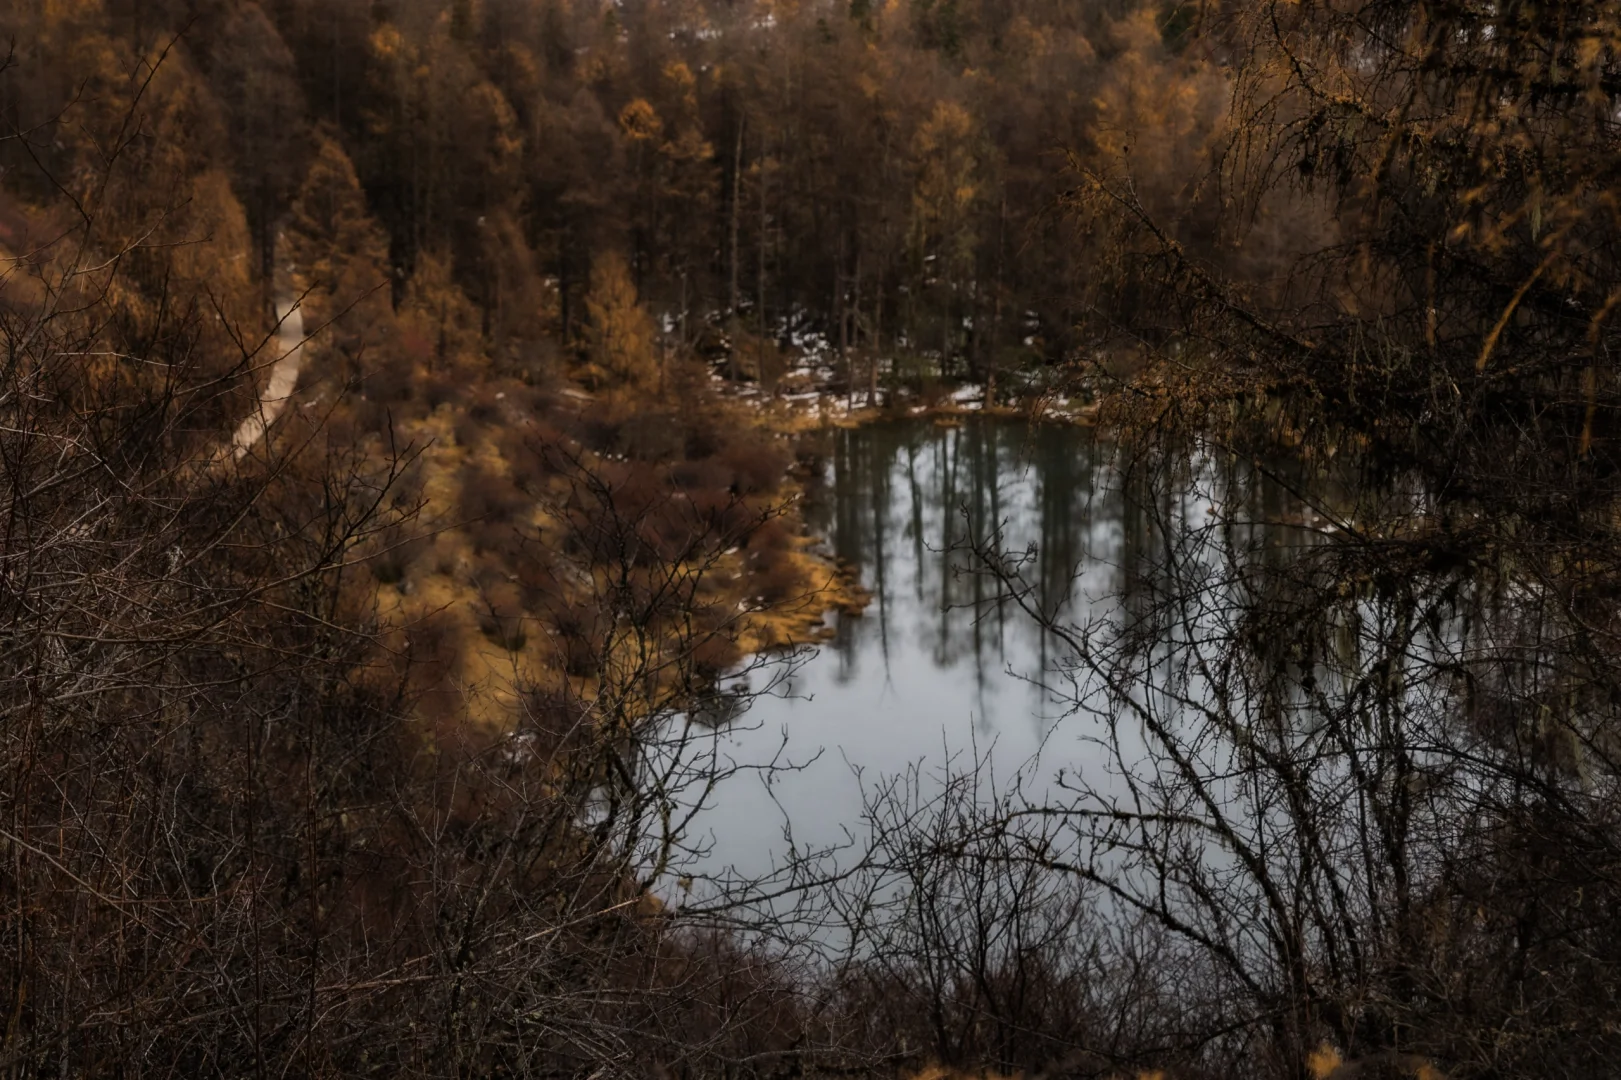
(621, 347)
(435, 310)
(337, 255)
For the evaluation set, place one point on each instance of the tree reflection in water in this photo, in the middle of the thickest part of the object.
(944, 665)
(898, 502)
(1326, 755)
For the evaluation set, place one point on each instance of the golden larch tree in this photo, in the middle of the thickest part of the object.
(621, 339)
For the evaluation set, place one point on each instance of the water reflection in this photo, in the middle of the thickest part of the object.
(1315, 719)
(898, 504)
(943, 666)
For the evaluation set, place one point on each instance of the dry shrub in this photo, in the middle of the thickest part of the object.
(557, 721)
(811, 452)
(433, 653)
(704, 437)
(496, 543)
(717, 499)
(501, 615)
(406, 492)
(757, 464)
(774, 573)
(714, 654)
(397, 548)
(630, 517)
(673, 531)
(1325, 1063)
(443, 387)
(389, 382)
(776, 577)
(446, 558)
(529, 453)
(651, 437)
(535, 574)
(596, 430)
(770, 536)
(700, 476)
(578, 636)
(481, 417)
(488, 497)
(702, 977)
(387, 393)
(375, 415)
(731, 520)
(338, 428)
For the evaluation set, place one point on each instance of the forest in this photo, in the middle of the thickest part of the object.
(417, 425)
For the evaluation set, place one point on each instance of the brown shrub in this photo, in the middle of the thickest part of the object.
(446, 559)
(532, 569)
(704, 475)
(673, 531)
(480, 419)
(433, 651)
(442, 387)
(704, 438)
(730, 519)
(406, 492)
(530, 451)
(501, 616)
(651, 437)
(397, 547)
(811, 452)
(557, 720)
(757, 464)
(578, 635)
(390, 381)
(595, 430)
(621, 517)
(770, 535)
(775, 576)
(714, 654)
(488, 497)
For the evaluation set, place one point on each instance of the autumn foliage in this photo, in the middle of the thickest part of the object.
(375, 748)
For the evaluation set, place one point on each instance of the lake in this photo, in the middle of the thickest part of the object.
(942, 666)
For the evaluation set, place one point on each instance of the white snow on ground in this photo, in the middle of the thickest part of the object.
(814, 376)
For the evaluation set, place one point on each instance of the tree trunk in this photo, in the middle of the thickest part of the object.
(736, 216)
(877, 345)
(851, 329)
(838, 311)
(759, 371)
(991, 347)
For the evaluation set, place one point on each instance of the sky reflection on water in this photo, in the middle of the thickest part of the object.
(937, 668)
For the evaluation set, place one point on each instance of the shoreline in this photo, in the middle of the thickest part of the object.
(820, 406)
(805, 621)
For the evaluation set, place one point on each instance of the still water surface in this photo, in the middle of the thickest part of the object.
(936, 669)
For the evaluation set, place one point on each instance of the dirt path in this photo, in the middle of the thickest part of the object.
(290, 342)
